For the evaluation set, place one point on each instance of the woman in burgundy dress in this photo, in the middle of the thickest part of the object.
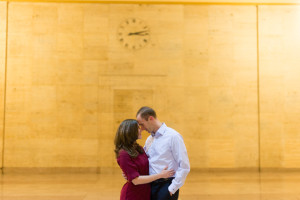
(133, 161)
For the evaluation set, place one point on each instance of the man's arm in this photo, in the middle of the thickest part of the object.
(180, 155)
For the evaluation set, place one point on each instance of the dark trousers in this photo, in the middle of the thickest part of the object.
(159, 190)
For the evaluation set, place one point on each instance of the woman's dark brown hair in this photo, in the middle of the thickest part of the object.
(126, 137)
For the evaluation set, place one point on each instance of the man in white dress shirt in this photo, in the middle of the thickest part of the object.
(164, 147)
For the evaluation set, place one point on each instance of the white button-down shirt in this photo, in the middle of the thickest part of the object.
(168, 149)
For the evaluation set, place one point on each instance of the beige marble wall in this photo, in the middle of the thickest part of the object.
(279, 31)
(70, 82)
(220, 76)
(3, 9)
(199, 72)
(54, 54)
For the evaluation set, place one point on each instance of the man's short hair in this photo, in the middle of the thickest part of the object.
(146, 112)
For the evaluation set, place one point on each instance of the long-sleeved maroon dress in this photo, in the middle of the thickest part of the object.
(132, 168)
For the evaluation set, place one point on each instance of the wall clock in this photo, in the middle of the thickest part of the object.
(133, 33)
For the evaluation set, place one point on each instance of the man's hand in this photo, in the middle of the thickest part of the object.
(171, 194)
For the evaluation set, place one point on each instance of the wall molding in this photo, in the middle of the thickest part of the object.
(181, 2)
(50, 170)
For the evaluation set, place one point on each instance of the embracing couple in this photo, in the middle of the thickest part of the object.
(156, 171)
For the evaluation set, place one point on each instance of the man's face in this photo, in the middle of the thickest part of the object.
(145, 124)
(140, 133)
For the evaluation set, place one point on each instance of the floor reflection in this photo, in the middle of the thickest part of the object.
(199, 185)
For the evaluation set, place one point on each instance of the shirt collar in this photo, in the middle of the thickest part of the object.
(160, 131)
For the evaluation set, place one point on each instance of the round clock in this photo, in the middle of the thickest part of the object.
(133, 33)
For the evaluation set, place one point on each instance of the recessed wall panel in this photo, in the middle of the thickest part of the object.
(279, 31)
(52, 85)
(220, 77)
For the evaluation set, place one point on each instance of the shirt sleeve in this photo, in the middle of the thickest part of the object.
(147, 145)
(128, 166)
(181, 157)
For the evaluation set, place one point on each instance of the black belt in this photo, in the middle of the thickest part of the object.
(163, 180)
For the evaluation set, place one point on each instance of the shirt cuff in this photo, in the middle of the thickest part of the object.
(172, 188)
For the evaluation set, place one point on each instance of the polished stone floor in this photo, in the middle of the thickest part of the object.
(199, 185)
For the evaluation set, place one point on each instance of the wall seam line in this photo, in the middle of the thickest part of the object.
(258, 91)
(5, 90)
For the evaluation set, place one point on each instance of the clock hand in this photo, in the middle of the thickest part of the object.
(142, 33)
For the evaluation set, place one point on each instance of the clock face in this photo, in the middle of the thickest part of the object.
(133, 34)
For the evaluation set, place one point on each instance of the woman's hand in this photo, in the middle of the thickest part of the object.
(167, 173)
(124, 176)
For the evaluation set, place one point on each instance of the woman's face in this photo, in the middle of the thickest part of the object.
(140, 133)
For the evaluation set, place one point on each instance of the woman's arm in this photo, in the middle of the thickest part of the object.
(148, 179)
(130, 169)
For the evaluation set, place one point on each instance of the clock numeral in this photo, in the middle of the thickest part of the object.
(145, 40)
(126, 45)
(121, 40)
(133, 20)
